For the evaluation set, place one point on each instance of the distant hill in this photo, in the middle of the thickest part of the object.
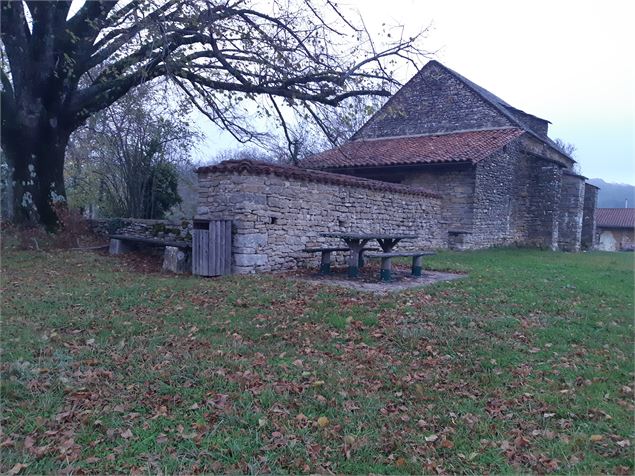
(613, 195)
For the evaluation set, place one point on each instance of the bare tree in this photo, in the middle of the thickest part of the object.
(328, 127)
(127, 156)
(566, 147)
(218, 52)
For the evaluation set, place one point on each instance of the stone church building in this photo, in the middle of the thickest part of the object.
(502, 180)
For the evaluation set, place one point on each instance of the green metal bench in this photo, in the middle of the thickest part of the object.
(325, 262)
(385, 274)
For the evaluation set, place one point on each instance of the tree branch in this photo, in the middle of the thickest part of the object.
(15, 35)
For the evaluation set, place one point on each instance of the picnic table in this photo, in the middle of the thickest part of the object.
(357, 241)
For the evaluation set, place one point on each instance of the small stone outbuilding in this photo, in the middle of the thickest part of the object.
(615, 229)
(277, 211)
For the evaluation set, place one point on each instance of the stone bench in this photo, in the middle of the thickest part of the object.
(177, 256)
(386, 261)
(325, 262)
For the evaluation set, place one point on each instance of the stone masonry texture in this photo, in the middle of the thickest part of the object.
(275, 217)
(439, 97)
(570, 212)
(523, 193)
(588, 235)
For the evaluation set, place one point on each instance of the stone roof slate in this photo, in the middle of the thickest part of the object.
(615, 217)
(470, 146)
(291, 172)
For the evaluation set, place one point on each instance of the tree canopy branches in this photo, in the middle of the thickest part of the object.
(60, 67)
(296, 50)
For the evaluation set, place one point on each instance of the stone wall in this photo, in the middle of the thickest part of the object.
(542, 150)
(455, 182)
(161, 229)
(494, 220)
(543, 202)
(588, 236)
(615, 239)
(535, 124)
(439, 97)
(278, 211)
(570, 212)
(510, 198)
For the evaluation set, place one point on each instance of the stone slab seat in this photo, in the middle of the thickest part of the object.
(150, 241)
(325, 262)
(386, 261)
(177, 256)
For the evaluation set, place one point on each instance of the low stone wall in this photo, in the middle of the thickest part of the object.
(162, 229)
(278, 211)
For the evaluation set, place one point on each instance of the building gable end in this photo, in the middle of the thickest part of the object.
(434, 101)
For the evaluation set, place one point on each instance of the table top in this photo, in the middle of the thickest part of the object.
(368, 236)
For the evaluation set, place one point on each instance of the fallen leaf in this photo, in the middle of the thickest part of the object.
(126, 434)
(596, 438)
(323, 422)
(400, 462)
(624, 443)
(447, 444)
(17, 468)
(6, 443)
(432, 438)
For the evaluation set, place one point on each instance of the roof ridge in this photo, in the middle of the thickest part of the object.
(431, 134)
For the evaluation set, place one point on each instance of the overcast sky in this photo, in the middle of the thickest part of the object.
(570, 62)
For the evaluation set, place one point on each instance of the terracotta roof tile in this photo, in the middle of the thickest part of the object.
(287, 171)
(615, 217)
(471, 146)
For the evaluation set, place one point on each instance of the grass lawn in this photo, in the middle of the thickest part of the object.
(526, 365)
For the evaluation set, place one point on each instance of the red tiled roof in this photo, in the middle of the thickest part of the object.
(470, 146)
(287, 171)
(615, 217)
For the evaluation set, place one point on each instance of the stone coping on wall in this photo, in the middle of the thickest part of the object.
(297, 173)
(573, 174)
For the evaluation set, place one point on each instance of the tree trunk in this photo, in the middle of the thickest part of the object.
(36, 158)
